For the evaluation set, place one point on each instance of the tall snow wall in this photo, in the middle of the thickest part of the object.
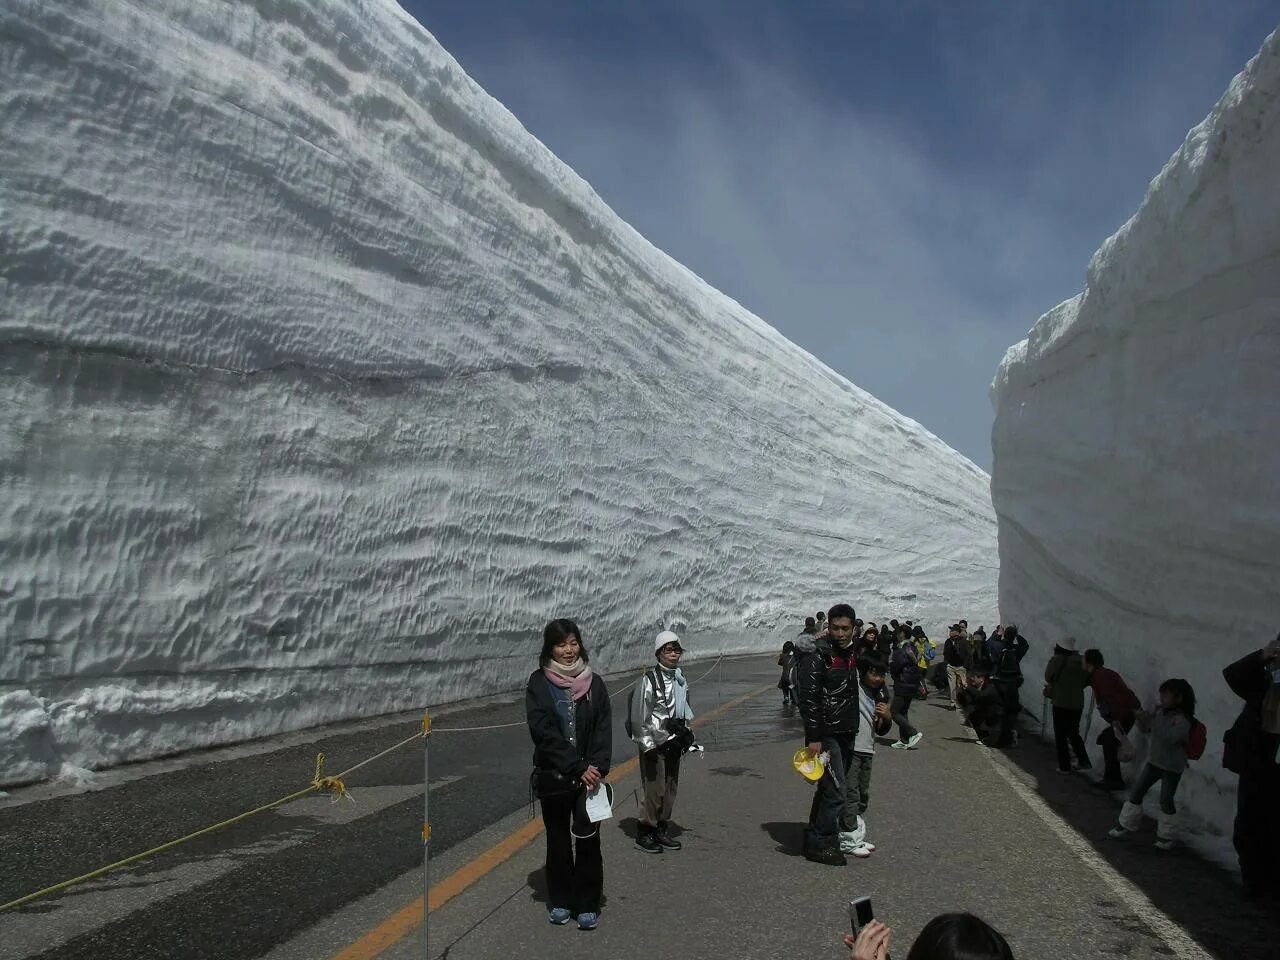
(325, 384)
(1137, 436)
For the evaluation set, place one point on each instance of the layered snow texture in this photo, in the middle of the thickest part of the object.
(326, 385)
(1137, 435)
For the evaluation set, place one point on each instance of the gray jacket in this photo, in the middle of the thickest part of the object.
(654, 703)
(1170, 730)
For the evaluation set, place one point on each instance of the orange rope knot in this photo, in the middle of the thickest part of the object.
(333, 785)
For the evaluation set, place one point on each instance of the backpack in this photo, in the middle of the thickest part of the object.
(659, 685)
(1197, 740)
(1007, 667)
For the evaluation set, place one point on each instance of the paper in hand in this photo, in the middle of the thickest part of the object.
(600, 803)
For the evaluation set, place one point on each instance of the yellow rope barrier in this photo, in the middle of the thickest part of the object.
(335, 785)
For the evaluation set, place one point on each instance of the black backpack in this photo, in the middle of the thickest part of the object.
(1007, 669)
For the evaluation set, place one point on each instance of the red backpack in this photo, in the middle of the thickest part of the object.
(1197, 740)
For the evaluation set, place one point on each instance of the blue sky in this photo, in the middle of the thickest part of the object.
(900, 188)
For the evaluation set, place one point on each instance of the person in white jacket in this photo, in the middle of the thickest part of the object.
(659, 726)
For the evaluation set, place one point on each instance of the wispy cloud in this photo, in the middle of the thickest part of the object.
(908, 256)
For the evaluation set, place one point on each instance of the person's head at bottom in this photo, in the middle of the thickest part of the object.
(950, 936)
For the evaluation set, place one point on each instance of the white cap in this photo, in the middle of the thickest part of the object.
(665, 637)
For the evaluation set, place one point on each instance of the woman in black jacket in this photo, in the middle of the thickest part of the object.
(1253, 752)
(568, 712)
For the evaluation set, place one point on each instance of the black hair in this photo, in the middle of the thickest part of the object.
(1094, 659)
(810, 622)
(557, 631)
(917, 632)
(872, 661)
(788, 646)
(959, 936)
(965, 622)
(894, 624)
(821, 615)
(1011, 629)
(841, 610)
(1183, 691)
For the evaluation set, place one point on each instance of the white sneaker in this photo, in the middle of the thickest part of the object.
(1118, 833)
(861, 851)
(911, 744)
(869, 846)
(899, 745)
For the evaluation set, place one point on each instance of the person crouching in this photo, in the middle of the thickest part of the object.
(660, 718)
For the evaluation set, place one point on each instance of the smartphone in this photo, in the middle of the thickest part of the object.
(860, 914)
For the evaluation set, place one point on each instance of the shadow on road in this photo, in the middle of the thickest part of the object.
(1204, 898)
(789, 837)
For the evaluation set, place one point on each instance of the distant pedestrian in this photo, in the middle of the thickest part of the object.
(958, 657)
(1118, 706)
(787, 683)
(873, 644)
(830, 708)
(821, 619)
(1253, 752)
(874, 720)
(660, 728)
(985, 708)
(567, 707)
(810, 627)
(1006, 669)
(1170, 727)
(1064, 682)
(951, 936)
(907, 675)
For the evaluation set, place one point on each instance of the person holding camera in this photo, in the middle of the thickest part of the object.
(567, 707)
(949, 936)
(659, 726)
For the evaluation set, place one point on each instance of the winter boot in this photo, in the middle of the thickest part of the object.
(1130, 821)
(1166, 831)
(647, 839)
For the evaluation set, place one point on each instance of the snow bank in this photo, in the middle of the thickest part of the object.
(1137, 436)
(325, 384)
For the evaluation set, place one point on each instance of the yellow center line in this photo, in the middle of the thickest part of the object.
(409, 917)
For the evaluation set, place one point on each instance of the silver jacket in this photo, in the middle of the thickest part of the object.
(652, 706)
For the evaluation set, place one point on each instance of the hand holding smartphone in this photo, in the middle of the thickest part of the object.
(871, 939)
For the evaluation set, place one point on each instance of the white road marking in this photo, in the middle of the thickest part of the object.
(1180, 943)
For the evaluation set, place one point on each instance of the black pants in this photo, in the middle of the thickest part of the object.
(829, 795)
(575, 882)
(1255, 837)
(1111, 753)
(901, 707)
(1066, 736)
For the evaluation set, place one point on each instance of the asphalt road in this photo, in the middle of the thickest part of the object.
(273, 876)
(959, 827)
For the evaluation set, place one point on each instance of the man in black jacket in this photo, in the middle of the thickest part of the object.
(986, 707)
(1253, 752)
(830, 708)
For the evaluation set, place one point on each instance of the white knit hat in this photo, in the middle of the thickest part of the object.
(1069, 643)
(665, 637)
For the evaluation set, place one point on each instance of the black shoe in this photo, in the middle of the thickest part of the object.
(647, 841)
(1111, 785)
(664, 840)
(830, 857)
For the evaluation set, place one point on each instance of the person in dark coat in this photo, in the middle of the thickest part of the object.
(906, 673)
(829, 706)
(1064, 682)
(567, 707)
(1252, 750)
(986, 709)
(1118, 705)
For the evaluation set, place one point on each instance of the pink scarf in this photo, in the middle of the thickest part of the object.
(576, 678)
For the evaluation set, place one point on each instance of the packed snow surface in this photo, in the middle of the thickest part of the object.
(1137, 436)
(326, 384)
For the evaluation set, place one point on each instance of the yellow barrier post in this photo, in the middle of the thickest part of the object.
(426, 834)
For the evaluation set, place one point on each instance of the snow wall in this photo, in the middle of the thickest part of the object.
(1137, 435)
(325, 385)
